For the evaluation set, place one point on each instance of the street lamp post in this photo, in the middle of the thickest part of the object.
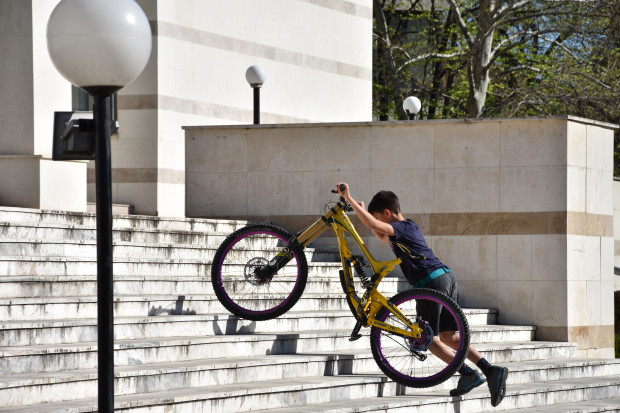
(255, 75)
(412, 106)
(101, 47)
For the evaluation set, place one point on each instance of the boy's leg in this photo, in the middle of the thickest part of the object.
(451, 339)
(470, 378)
(441, 350)
(496, 375)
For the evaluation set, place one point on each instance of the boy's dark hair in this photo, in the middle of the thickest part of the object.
(384, 200)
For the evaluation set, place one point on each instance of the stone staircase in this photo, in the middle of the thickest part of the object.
(177, 350)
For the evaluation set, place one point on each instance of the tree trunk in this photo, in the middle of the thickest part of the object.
(479, 58)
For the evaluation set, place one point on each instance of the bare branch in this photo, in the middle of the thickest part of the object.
(516, 69)
(430, 55)
(461, 22)
(503, 10)
(524, 39)
(593, 79)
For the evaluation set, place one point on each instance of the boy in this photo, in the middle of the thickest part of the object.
(385, 220)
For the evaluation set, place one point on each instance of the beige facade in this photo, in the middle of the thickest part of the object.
(31, 91)
(318, 61)
(317, 57)
(521, 209)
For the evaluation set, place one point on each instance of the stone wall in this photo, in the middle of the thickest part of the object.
(521, 209)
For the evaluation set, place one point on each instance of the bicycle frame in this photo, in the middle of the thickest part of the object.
(372, 301)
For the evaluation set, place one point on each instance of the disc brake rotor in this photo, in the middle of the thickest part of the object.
(251, 267)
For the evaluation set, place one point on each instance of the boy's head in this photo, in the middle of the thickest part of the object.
(384, 200)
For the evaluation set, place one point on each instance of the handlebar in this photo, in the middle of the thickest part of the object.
(346, 205)
(341, 188)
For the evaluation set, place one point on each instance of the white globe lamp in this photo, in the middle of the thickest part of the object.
(255, 75)
(96, 44)
(412, 106)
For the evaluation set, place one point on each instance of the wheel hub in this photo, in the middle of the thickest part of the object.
(251, 269)
(425, 340)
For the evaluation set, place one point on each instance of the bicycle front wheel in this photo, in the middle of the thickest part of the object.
(412, 361)
(236, 268)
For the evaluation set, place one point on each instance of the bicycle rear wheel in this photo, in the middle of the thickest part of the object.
(410, 361)
(236, 279)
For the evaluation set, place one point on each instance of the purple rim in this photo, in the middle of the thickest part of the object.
(232, 244)
(460, 328)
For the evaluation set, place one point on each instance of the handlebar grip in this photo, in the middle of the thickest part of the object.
(342, 187)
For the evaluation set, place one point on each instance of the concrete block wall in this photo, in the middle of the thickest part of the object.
(521, 209)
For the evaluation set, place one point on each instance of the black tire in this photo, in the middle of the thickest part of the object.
(234, 266)
(401, 359)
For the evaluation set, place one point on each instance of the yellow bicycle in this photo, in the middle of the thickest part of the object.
(260, 271)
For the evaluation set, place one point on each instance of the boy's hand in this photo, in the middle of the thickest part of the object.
(344, 192)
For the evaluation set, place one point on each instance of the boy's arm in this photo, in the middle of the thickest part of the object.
(381, 229)
(383, 237)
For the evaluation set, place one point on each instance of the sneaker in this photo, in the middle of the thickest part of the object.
(467, 383)
(497, 384)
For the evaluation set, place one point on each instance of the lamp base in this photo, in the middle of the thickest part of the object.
(101, 90)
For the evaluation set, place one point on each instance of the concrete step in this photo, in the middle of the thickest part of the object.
(64, 219)
(204, 373)
(136, 235)
(22, 248)
(586, 406)
(73, 285)
(88, 249)
(17, 287)
(355, 393)
(19, 266)
(82, 355)
(61, 331)
(117, 209)
(51, 308)
(573, 395)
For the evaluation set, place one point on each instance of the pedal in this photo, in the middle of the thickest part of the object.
(355, 334)
(355, 337)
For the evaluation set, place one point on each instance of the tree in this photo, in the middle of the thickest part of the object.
(453, 53)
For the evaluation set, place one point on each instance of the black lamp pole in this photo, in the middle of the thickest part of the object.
(256, 104)
(121, 31)
(105, 274)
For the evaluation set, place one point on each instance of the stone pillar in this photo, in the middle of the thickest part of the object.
(589, 240)
(31, 90)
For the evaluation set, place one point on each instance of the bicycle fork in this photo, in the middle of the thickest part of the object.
(266, 273)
